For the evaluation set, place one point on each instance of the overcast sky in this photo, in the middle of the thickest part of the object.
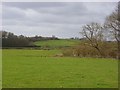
(62, 19)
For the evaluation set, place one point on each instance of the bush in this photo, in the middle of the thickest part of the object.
(86, 51)
(108, 50)
(68, 52)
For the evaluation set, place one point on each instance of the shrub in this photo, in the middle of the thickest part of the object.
(68, 52)
(108, 50)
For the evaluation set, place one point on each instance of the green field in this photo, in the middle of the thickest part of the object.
(0, 69)
(57, 43)
(41, 69)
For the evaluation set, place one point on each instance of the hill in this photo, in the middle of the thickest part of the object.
(57, 43)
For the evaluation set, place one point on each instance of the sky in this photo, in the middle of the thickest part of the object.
(62, 19)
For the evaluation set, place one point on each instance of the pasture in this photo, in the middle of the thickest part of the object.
(41, 69)
(57, 43)
(0, 68)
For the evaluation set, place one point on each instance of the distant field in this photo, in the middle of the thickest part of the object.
(57, 43)
(39, 69)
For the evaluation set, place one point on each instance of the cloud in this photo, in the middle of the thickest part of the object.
(12, 13)
(63, 19)
(33, 5)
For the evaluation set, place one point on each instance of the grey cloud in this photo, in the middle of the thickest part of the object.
(12, 13)
(25, 5)
(70, 9)
(61, 19)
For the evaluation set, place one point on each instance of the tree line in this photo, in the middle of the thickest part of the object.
(11, 40)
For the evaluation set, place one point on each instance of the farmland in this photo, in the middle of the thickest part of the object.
(42, 69)
(0, 68)
(57, 43)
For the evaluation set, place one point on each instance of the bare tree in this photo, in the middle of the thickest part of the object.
(94, 33)
(113, 23)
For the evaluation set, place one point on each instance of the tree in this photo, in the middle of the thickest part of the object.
(113, 24)
(11, 40)
(93, 32)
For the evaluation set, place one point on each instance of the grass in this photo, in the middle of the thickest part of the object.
(0, 69)
(57, 43)
(39, 69)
